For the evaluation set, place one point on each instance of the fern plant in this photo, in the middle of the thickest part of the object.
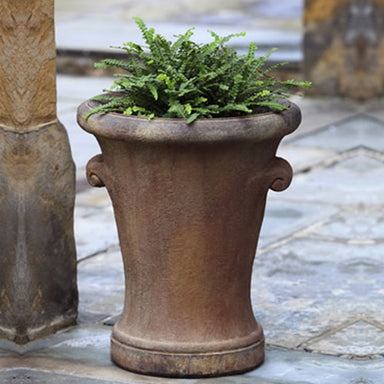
(183, 79)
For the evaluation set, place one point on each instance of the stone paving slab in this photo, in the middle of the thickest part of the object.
(357, 225)
(321, 112)
(375, 109)
(307, 288)
(358, 131)
(283, 219)
(364, 339)
(29, 376)
(101, 287)
(84, 355)
(95, 228)
(351, 181)
(302, 158)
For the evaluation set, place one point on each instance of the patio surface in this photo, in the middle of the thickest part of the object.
(317, 286)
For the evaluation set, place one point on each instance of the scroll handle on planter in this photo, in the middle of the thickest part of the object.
(281, 174)
(95, 171)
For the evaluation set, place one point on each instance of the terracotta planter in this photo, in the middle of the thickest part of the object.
(189, 202)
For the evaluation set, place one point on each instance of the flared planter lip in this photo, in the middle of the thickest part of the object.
(256, 127)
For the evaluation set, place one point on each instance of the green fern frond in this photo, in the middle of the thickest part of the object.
(184, 79)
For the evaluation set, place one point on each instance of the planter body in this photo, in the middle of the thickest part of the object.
(189, 203)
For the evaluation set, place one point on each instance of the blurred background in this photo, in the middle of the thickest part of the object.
(87, 28)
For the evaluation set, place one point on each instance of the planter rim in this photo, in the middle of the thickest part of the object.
(256, 127)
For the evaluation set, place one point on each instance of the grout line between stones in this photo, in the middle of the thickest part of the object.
(302, 233)
(297, 137)
(112, 248)
(328, 333)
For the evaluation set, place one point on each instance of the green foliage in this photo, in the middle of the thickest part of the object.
(183, 79)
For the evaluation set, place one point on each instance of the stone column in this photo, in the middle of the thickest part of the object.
(344, 47)
(38, 293)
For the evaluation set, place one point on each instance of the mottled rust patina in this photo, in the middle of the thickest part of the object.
(189, 202)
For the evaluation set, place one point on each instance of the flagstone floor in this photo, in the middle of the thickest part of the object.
(317, 285)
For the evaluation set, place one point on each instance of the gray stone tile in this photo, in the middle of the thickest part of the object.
(360, 339)
(84, 355)
(83, 145)
(356, 131)
(283, 366)
(355, 225)
(112, 320)
(94, 198)
(29, 376)
(302, 158)
(84, 358)
(351, 181)
(322, 112)
(374, 108)
(95, 228)
(101, 287)
(283, 219)
(306, 288)
(20, 352)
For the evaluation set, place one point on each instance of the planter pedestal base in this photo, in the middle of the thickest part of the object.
(187, 364)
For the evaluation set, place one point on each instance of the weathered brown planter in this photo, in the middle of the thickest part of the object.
(189, 202)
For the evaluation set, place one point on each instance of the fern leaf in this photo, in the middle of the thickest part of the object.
(188, 80)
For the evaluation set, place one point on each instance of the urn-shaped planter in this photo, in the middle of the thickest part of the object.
(189, 202)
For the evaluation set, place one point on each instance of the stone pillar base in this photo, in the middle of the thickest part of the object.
(38, 293)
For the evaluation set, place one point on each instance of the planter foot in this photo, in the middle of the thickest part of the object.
(193, 365)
